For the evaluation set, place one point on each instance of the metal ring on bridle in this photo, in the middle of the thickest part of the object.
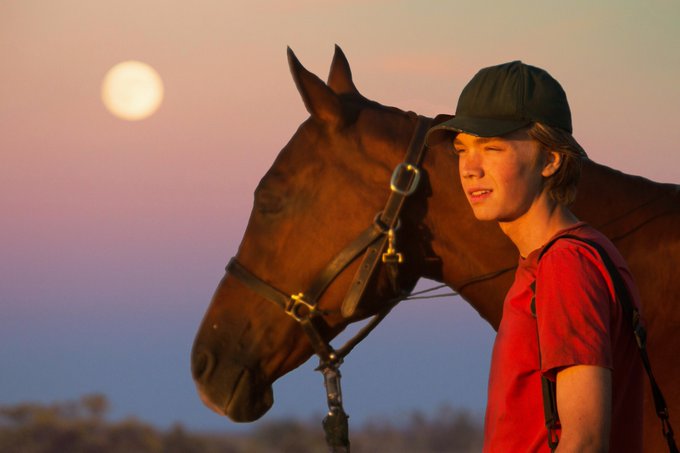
(296, 303)
(384, 229)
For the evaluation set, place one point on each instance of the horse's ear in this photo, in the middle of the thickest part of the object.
(440, 118)
(439, 137)
(340, 75)
(321, 102)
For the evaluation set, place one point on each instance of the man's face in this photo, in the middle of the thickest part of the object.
(501, 176)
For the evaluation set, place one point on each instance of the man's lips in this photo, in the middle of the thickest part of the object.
(478, 194)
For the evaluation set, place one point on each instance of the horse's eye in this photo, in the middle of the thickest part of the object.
(268, 202)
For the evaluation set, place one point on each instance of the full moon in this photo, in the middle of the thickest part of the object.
(132, 90)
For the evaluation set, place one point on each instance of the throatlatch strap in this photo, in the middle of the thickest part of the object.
(631, 313)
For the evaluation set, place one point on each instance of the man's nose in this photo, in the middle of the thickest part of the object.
(470, 165)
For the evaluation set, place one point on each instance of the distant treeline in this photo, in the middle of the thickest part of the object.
(82, 427)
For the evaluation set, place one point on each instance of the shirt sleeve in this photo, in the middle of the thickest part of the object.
(573, 308)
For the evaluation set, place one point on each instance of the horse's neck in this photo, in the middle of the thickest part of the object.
(616, 203)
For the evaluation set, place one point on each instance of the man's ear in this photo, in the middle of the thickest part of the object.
(553, 162)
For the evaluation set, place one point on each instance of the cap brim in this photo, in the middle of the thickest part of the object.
(480, 127)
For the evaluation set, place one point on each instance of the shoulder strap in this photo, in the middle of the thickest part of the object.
(548, 387)
(631, 313)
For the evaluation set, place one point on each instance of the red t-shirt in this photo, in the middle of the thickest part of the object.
(579, 323)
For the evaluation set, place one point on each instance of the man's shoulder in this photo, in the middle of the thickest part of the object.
(580, 241)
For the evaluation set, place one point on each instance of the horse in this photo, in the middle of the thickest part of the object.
(327, 185)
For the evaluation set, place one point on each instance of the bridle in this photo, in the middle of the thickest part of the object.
(303, 307)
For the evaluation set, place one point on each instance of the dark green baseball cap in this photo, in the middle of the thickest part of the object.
(501, 99)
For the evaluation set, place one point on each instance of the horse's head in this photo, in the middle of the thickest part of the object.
(324, 189)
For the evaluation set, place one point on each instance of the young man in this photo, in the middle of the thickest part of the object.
(519, 166)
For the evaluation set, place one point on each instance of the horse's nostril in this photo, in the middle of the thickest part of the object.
(202, 364)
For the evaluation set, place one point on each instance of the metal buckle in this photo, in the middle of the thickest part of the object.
(413, 182)
(639, 330)
(294, 304)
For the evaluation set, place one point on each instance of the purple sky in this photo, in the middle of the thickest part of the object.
(115, 234)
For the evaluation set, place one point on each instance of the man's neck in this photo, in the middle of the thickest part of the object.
(537, 226)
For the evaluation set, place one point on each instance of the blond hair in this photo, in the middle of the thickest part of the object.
(561, 185)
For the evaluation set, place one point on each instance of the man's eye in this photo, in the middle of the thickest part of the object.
(458, 150)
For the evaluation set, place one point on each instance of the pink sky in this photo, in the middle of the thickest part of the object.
(105, 221)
